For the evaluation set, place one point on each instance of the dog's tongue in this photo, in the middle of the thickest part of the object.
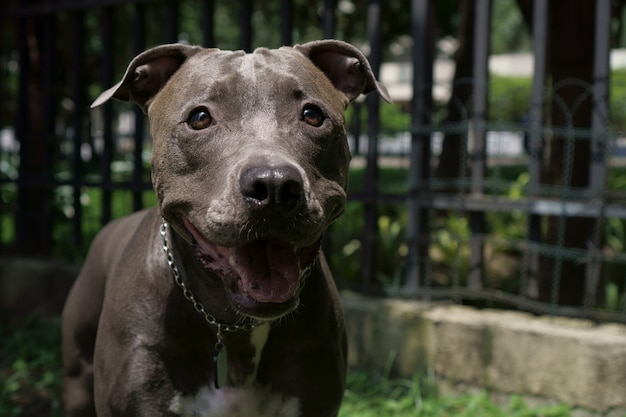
(269, 270)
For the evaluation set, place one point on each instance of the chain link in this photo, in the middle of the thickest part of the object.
(197, 305)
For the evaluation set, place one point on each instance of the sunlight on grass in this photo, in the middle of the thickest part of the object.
(371, 396)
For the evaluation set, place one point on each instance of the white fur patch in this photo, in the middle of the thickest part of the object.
(258, 337)
(235, 402)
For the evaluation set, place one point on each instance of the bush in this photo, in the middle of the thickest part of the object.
(509, 98)
(30, 369)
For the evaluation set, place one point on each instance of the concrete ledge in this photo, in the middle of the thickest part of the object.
(572, 361)
(31, 287)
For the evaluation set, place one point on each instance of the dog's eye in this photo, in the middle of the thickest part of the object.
(313, 116)
(200, 119)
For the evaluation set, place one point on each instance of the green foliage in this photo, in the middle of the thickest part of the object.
(615, 237)
(30, 371)
(450, 248)
(510, 226)
(450, 238)
(376, 396)
(346, 233)
(345, 255)
(618, 99)
(393, 118)
(615, 232)
(91, 203)
(8, 203)
(392, 248)
(509, 98)
(613, 300)
(344, 241)
(509, 31)
(509, 101)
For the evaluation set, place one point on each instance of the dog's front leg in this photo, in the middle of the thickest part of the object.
(131, 379)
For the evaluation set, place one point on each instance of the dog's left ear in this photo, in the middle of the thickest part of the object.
(345, 66)
(147, 73)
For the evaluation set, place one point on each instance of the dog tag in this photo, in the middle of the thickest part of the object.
(220, 365)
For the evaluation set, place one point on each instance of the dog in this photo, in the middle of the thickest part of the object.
(219, 302)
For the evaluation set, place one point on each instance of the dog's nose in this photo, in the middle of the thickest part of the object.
(279, 187)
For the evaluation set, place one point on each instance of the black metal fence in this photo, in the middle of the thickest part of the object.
(499, 230)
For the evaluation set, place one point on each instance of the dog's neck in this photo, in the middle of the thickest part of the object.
(220, 358)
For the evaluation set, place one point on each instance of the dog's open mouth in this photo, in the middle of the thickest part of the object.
(266, 270)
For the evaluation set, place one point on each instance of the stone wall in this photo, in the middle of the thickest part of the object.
(572, 361)
(30, 287)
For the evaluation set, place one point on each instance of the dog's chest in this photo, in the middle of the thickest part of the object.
(247, 400)
(251, 401)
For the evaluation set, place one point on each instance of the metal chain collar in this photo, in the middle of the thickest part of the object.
(197, 305)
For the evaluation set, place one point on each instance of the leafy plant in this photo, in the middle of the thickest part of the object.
(30, 369)
(509, 98)
(392, 248)
(371, 395)
(450, 248)
(509, 227)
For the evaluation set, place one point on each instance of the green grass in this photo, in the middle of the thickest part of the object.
(375, 396)
(30, 369)
(30, 375)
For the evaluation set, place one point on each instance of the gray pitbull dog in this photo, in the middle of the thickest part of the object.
(218, 302)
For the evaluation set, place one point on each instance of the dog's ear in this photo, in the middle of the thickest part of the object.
(147, 73)
(345, 66)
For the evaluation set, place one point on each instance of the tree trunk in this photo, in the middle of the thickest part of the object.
(449, 165)
(34, 199)
(571, 38)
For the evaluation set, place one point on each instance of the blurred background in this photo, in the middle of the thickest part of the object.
(496, 177)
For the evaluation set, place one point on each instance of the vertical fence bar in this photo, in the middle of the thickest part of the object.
(370, 232)
(172, 23)
(208, 31)
(245, 24)
(530, 285)
(34, 137)
(22, 129)
(286, 21)
(78, 97)
(329, 30)
(107, 113)
(600, 115)
(355, 126)
(419, 168)
(479, 132)
(139, 35)
(46, 181)
(599, 120)
(329, 18)
(23, 135)
(5, 108)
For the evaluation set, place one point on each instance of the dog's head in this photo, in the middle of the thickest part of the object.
(250, 158)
